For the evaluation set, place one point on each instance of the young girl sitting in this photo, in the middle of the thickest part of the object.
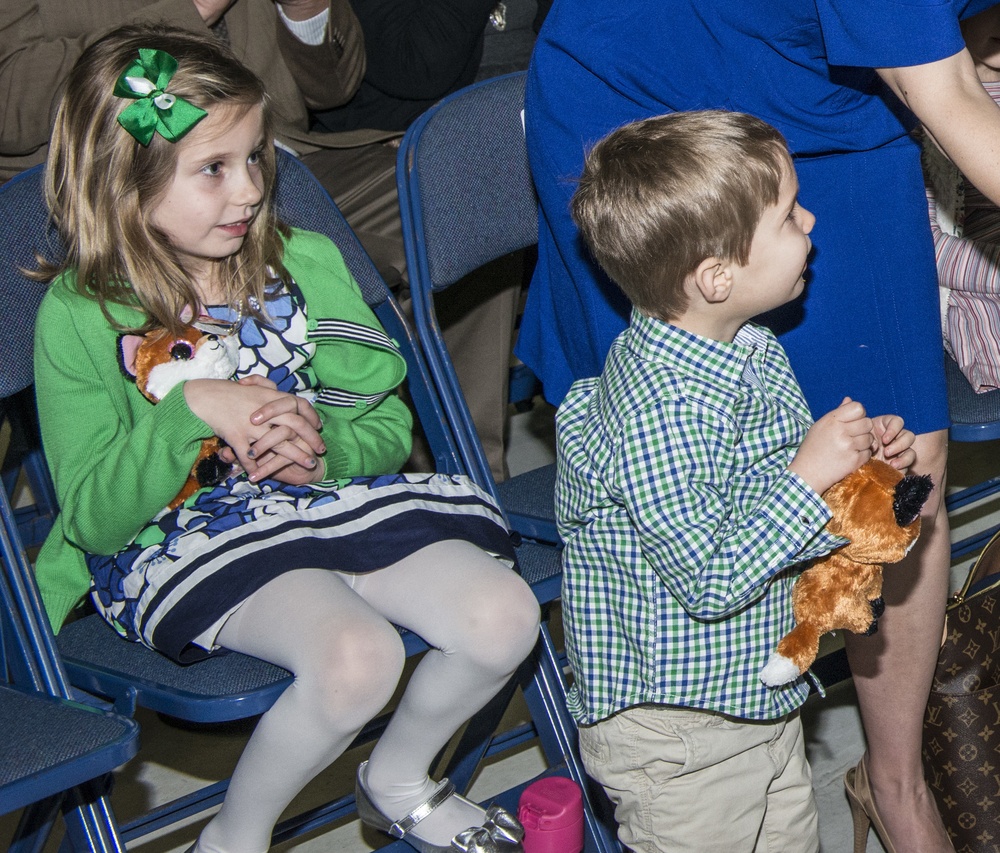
(160, 178)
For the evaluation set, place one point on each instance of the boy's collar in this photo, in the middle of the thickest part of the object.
(658, 340)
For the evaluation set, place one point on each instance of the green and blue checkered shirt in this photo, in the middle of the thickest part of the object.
(682, 525)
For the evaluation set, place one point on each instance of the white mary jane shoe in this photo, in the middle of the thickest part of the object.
(500, 832)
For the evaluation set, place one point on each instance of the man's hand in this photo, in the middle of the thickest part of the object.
(212, 10)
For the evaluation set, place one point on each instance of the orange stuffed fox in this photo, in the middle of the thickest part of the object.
(878, 510)
(158, 361)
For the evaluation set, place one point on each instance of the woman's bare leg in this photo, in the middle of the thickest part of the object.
(894, 667)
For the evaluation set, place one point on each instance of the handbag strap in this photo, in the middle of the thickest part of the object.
(988, 563)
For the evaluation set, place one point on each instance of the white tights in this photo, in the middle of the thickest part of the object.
(335, 632)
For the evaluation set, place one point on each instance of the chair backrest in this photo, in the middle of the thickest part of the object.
(27, 232)
(466, 198)
(467, 183)
(303, 203)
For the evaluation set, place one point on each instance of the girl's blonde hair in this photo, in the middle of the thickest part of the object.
(102, 185)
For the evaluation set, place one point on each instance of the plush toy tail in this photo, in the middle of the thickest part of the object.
(795, 653)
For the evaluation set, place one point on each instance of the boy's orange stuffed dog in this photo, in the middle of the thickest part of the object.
(157, 361)
(878, 510)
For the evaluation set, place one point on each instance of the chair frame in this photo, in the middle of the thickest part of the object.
(974, 417)
(419, 264)
(76, 782)
(428, 275)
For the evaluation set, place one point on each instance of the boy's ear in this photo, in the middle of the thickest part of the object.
(714, 280)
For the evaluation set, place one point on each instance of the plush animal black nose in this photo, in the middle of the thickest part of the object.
(181, 351)
(909, 497)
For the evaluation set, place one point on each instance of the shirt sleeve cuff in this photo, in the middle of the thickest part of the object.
(807, 516)
(311, 31)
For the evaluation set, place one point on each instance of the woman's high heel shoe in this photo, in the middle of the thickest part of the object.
(863, 811)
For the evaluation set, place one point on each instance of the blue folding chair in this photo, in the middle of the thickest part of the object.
(234, 686)
(467, 198)
(56, 753)
(974, 417)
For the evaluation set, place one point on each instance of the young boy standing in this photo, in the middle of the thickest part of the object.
(688, 489)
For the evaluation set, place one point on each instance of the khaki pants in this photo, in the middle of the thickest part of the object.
(689, 781)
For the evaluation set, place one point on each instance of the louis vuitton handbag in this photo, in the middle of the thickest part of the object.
(961, 740)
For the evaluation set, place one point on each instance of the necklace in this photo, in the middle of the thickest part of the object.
(212, 325)
(215, 325)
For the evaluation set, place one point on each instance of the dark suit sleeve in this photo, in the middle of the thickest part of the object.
(418, 49)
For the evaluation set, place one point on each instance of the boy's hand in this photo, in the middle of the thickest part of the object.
(893, 443)
(837, 444)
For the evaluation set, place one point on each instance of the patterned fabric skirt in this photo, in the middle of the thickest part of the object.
(190, 568)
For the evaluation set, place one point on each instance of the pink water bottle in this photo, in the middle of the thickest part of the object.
(551, 810)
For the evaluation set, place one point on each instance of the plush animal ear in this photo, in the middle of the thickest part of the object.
(841, 497)
(909, 497)
(128, 346)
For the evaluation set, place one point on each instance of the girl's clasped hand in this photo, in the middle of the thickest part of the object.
(280, 439)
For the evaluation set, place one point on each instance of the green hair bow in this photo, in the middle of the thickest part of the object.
(155, 110)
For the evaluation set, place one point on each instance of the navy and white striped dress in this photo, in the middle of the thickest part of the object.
(190, 568)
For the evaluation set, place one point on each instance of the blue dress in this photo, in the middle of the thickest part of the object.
(868, 325)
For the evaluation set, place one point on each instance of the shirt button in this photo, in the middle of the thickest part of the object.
(804, 519)
(360, 404)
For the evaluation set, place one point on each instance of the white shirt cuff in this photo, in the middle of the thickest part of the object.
(311, 31)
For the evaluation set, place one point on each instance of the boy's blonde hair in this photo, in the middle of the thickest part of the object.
(659, 196)
(102, 185)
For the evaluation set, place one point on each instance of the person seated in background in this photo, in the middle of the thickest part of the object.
(966, 229)
(311, 56)
(417, 51)
(309, 53)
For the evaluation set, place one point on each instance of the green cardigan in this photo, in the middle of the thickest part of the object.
(117, 460)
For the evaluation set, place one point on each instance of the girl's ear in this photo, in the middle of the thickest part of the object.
(714, 280)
